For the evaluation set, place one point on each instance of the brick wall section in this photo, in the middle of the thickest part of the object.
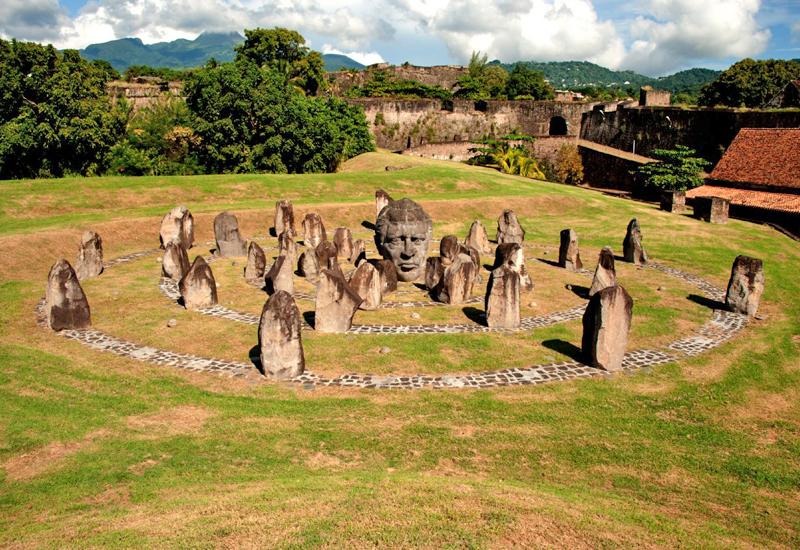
(543, 148)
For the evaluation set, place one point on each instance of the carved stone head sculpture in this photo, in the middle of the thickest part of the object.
(402, 234)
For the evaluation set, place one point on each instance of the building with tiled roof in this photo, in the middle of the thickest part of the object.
(760, 174)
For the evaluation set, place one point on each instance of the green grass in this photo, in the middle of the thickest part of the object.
(96, 450)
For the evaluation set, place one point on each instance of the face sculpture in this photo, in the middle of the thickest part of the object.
(402, 235)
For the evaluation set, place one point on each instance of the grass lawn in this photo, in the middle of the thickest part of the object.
(98, 450)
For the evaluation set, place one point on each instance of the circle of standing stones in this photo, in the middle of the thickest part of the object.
(403, 234)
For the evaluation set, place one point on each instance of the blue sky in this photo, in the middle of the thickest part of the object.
(654, 36)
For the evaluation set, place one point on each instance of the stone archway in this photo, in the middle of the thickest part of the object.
(558, 126)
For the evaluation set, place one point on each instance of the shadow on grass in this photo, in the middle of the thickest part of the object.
(255, 357)
(565, 348)
(706, 302)
(475, 315)
(580, 291)
(548, 262)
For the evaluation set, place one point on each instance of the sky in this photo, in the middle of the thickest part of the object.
(653, 37)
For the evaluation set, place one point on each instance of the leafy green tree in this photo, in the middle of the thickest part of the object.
(749, 83)
(524, 81)
(382, 84)
(482, 81)
(510, 155)
(678, 170)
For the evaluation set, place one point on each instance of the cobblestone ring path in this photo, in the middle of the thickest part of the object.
(722, 326)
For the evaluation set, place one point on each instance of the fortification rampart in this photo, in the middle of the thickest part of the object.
(142, 94)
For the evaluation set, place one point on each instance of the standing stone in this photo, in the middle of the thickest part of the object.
(359, 254)
(308, 266)
(632, 247)
(287, 246)
(673, 201)
(328, 256)
(449, 248)
(712, 209)
(279, 277)
(459, 278)
(745, 286)
(508, 228)
(478, 239)
(226, 232)
(605, 275)
(175, 263)
(388, 275)
(343, 240)
(568, 255)
(434, 272)
(90, 256)
(512, 255)
(177, 225)
(606, 325)
(198, 287)
(284, 217)
(502, 298)
(366, 282)
(279, 342)
(65, 306)
(336, 303)
(256, 264)
(382, 200)
(476, 259)
(313, 230)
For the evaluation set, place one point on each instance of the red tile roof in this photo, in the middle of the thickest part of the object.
(762, 156)
(784, 202)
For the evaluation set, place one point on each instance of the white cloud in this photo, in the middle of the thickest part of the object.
(365, 58)
(39, 20)
(796, 30)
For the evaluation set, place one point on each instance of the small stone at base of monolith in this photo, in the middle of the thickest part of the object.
(632, 247)
(313, 230)
(606, 325)
(568, 255)
(478, 239)
(604, 275)
(366, 282)
(226, 232)
(745, 286)
(279, 340)
(336, 303)
(508, 228)
(66, 306)
(90, 256)
(175, 263)
(502, 298)
(279, 276)
(198, 287)
(256, 264)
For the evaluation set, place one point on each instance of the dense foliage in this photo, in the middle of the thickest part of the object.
(567, 165)
(55, 118)
(678, 170)
(164, 73)
(383, 84)
(524, 81)
(750, 83)
(509, 154)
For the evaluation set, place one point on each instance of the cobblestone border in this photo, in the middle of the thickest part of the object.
(719, 329)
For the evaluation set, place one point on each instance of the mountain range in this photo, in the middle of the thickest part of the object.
(182, 54)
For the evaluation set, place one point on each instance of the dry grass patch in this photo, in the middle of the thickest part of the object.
(48, 458)
(187, 419)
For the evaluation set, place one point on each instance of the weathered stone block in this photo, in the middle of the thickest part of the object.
(569, 256)
(508, 228)
(226, 232)
(198, 287)
(90, 256)
(343, 239)
(388, 275)
(336, 303)
(512, 255)
(287, 246)
(328, 256)
(605, 275)
(256, 266)
(313, 230)
(382, 200)
(457, 282)
(308, 266)
(606, 325)
(280, 342)
(632, 247)
(359, 253)
(177, 225)
(284, 218)
(449, 248)
(434, 272)
(175, 263)
(673, 201)
(279, 277)
(66, 306)
(478, 239)
(366, 282)
(712, 209)
(745, 286)
(502, 298)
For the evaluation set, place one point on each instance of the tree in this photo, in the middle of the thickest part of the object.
(749, 83)
(567, 165)
(678, 170)
(524, 81)
(482, 81)
(509, 154)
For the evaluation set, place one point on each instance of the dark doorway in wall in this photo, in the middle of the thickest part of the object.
(558, 126)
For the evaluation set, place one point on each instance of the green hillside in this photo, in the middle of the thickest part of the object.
(338, 62)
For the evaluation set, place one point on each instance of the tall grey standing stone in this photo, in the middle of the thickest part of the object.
(568, 255)
(605, 275)
(388, 274)
(512, 255)
(175, 263)
(382, 200)
(502, 298)
(287, 246)
(226, 232)
(66, 306)
(606, 325)
(478, 239)
(90, 256)
(279, 277)
(256, 264)
(178, 226)
(284, 218)
(359, 253)
(632, 247)
(313, 230)
(198, 287)
(508, 228)
(336, 303)
(457, 282)
(279, 341)
(745, 286)
(366, 282)
(343, 239)
(308, 266)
